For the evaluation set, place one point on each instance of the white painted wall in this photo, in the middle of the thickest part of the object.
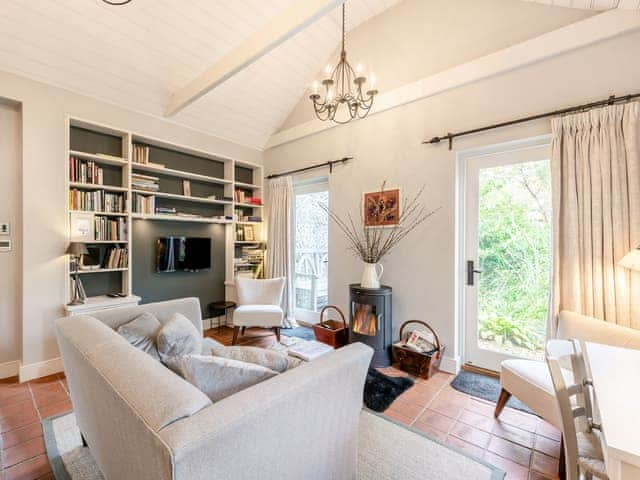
(388, 146)
(10, 211)
(44, 109)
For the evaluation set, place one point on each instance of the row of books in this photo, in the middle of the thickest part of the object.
(145, 182)
(106, 228)
(144, 203)
(242, 197)
(250, 263)
(116, 257)
(140, 154)
(85, 171)
(96, 201)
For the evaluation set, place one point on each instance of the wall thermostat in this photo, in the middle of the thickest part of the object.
(4, 228)
(5, 245)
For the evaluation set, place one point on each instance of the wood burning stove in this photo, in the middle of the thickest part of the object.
(370, 321)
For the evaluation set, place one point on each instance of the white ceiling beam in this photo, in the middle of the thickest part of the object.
(280, 28)
(597, 28)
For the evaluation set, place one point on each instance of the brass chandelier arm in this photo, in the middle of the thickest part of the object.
(339, 90)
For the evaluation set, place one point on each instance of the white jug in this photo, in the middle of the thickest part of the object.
(370, 276)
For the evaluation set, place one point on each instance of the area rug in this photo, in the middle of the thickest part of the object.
(381, 390)
(487, 388)
(386, 451)
(305, 333)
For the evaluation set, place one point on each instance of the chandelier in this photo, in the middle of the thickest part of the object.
(338, 93)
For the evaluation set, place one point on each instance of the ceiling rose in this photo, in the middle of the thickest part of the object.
(343, 98)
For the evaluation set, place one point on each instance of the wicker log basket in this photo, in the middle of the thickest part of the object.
(332, 332)
(418, 364)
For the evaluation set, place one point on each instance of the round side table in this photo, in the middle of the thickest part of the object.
(217, 309)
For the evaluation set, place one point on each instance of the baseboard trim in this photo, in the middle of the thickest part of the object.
(450, 364)
(482, 371)
(35, 370)
(9, 369)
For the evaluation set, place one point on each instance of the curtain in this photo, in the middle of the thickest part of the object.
(280, 261)
(595, 169)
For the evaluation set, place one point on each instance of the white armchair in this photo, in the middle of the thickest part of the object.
(258, 305)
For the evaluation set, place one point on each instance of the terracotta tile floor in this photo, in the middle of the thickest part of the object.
(524, 446)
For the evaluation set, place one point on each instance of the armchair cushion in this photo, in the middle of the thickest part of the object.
(529, 380)
(258, 316)
(259, 292)
(270, 359)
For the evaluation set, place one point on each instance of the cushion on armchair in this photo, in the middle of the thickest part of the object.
(258, 316)
(141, 332)
(177, 338)
(270, 359)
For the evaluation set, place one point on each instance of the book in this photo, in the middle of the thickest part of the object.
(309, 350)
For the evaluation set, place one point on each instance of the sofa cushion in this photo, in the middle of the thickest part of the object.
(178, 337)
(219, 377)
(259, 356)
(141, 332)
(209, 345)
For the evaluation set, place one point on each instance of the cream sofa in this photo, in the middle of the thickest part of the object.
(142, 421)
(530, 380)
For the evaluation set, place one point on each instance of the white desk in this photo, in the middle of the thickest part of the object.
(616, 382)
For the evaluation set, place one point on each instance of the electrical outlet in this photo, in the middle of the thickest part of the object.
(5, 245)
(5, 228)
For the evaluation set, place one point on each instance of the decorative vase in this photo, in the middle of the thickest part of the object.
(370, 276)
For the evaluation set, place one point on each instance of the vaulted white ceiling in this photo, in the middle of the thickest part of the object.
(138, 55)
(592, 4)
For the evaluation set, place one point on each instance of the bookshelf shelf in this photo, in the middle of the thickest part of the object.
(100, 270)
(248, 205)
(180, 174)
(184, 198)
(106, 160)
(178, 218)
(247, 185)
(246, 242)
(95, 186)
(101, 214)
(105, 242)
(243, 222)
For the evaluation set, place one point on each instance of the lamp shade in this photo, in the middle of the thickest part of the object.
(631, 260)
(76, 249)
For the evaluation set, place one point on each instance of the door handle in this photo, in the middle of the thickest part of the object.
(471, 271)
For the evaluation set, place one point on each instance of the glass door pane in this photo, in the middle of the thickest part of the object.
(508, 238)
(311, 250)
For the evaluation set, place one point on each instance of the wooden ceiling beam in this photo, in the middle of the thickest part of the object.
(283, 26)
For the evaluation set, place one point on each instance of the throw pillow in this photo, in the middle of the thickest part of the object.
(141, 332)
(260, 356)
(178, 337)
(219, 377)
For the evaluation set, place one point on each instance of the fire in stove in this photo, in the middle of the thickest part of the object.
(364, 320)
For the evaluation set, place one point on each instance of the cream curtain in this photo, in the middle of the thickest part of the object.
(280, 262)
(595, 165)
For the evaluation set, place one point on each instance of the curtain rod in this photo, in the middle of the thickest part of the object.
(329, 164)
(609, 101)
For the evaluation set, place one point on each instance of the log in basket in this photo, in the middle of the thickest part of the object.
(332, 332)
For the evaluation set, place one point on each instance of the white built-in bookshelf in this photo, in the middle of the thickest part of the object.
(118, 169)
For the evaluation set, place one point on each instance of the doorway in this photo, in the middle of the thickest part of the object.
(506, 255)
(311, 252)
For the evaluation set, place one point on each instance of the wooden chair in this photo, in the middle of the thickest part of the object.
(581, 437)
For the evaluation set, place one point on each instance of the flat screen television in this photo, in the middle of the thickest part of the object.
(183, 254)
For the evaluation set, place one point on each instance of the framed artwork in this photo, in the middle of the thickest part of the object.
(248, 233)
(382, 209)
(82, 227)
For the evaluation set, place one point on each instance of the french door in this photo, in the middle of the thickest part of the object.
(311, 239)
(507, 253)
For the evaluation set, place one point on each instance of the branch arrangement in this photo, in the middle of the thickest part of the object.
(371, 244)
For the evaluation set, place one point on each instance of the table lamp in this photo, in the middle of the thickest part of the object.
(76, 250)
(631, 260)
